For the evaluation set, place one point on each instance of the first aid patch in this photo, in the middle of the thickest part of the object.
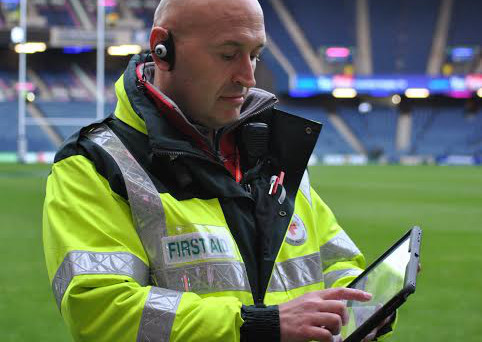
(197, 246)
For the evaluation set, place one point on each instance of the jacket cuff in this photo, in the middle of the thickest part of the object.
(261, 323)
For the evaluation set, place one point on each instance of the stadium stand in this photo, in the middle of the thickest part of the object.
(64, 86)
(8, 13)
(37, 139)
(58, 12)
(278, 33)
(321, 27)
(72, 109)
(444, 131)
(279, 75)
(8, 122)
(376, 129)
(402, 34)
(466, 25)
(143, 10)
(7, 88)
(90, 8)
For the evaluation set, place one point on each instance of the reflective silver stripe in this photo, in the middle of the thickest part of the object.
(207, 277)
(145, 203)
(158, 315)
(83, 262)
(339, 248)
(305, 187)
(296, 272)
(331, 277)
(149, 219)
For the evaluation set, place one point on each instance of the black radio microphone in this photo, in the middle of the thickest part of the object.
(253, 142)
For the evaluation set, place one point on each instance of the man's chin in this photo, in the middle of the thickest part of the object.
(232, 116)
(221, 116)
(228, 116)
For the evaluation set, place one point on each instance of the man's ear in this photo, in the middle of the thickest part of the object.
(158, 36)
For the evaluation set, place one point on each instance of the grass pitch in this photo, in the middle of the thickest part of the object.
(375, 205)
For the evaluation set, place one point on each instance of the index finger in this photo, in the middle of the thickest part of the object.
(343, 293)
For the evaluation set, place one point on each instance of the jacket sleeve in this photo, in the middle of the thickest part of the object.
(342, 261)
(100, 275)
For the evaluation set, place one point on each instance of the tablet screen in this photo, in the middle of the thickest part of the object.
(384, 280)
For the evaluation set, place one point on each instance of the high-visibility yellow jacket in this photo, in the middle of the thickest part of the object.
(148, 237)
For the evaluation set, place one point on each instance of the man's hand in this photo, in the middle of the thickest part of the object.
(317, 316)
(373, 334)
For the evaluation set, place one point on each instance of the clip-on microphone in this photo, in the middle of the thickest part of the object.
(253, 143)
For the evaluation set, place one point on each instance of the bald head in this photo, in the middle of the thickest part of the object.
(165, 10)
(184, 16)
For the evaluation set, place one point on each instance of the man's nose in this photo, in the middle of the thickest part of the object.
(244, 74)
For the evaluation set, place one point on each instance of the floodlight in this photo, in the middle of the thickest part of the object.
(17, 35)
(124, 50)
(344, 93)
(30, 47)
(417, 93)
(365, 107)
(30, 97)
(396, 99)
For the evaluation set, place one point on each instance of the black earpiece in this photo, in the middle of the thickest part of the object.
(160, 51)
(166, 52)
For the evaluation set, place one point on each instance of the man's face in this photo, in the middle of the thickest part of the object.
(215, 64)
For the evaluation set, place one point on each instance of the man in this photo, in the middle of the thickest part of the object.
(187, 215)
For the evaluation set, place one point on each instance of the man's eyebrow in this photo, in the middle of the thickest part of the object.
(238, 44)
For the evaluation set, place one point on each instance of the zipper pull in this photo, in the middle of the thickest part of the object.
(247, 187)
(173, 156)
(141, 82)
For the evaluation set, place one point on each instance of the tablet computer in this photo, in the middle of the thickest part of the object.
(390, 280)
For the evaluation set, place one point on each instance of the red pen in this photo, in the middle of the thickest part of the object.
(279, 181)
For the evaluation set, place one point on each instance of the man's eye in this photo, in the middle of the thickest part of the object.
(228, 57)
(256, 58)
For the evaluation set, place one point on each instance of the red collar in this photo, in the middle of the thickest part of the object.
(172, 114)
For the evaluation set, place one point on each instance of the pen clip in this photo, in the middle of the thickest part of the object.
(275, 182)
(272, 183)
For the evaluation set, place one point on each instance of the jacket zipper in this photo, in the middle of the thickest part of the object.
(174, 155)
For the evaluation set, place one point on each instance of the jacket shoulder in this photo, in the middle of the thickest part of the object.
(79, 145)
(134, 141)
